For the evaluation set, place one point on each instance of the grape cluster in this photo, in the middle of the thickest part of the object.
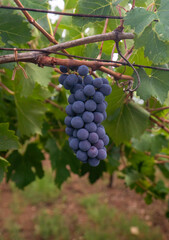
(86, 111)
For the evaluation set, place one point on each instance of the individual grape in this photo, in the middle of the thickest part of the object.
(93, 138)
(88, 80)
(90, 105)
(105, 81)
(104, 115)
(89, 90)
(92, 152)
(68, 121)
(83, 70)
(69, 110)
(94, 162)
(97, 82)
(105, 89)
(91, 127)
(87, 117)
(99, 144)
(80, 80)
(98, 97)
(69, 131)
(98, 117)
(71, 80)
(71, 99)
(84, 145)
(82, 134)
(101, 132)
(62, 78)
(79, 95)
(102, 154)
(77, 122)
(63, 69)
(76, 87)
(74, 143)
(75, 133)
(78, 107)
(101, 107)
(81, 155)
(66, 86)
(105, 140)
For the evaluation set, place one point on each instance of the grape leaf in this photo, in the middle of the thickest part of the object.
(125, 120)
(30, 115)
(139, 19)
(162, 26)
(8, 140)
(96, 7)
(13, 28)
(3, 167)
(155, 85)
(60, 158)
(150, 143)
(155, 49)
(24, 168)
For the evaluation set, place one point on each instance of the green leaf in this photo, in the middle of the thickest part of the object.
(131, 177)
(162, 27)
(143, 164)
(160, 189)
(13, 28)
(150, 143)
(8, 140)
(139, 19)
(155, 49)
(60, 158)
(126, 121)
(155, 85)
(23, 169)
(96, 7)
(3, 167)
(69, 4)
(148, 198)
(30, 115)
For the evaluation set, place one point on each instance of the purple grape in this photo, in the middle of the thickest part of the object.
(99, 144)
(69, 110)
(98, 97)
(94, 162)
(91, 127)
(89, 90)
(105, 81)
(78, 107)
(76, 87)
(77, 122)
(82, 134)
(68, 121)
(98, 117)
(84, 145)
(97, 82)
(62, 78)
(71, 80)
(101, 107)
(63, 69)
(80, 80)
(87, 117)
(92, 152)
(74, 143)
(102, 154)
(82, 156)
(88, 80)
(83, 70)
(101, 132)
(93, 138)
(71, 99)
(105, 140)
(104, 115)
(105, 89)
(90, 105)
(79, 95)
(69, 131)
